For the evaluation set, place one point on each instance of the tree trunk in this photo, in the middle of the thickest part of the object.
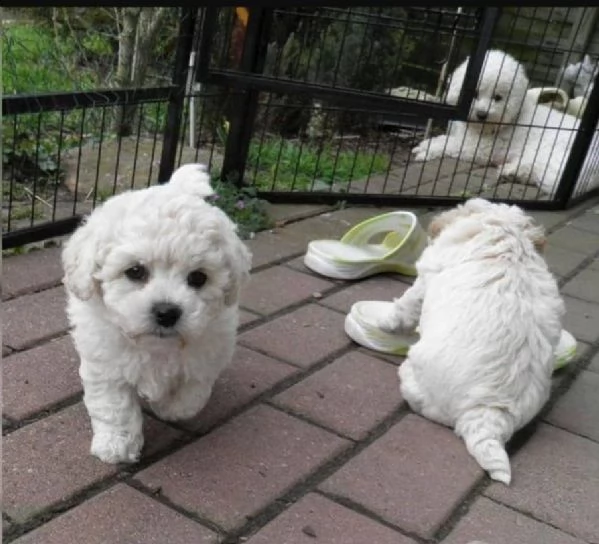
(137, 35)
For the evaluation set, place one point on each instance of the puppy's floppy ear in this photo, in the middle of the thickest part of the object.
(191, 179)
(79, 262)
(240, 262)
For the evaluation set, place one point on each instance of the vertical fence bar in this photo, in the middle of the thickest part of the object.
(580, 147)
(475, 65)
(174, 115)
(244, 115)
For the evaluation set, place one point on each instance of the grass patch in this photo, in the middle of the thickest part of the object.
(284, 165)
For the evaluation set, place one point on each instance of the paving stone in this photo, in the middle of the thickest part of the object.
(249, 375)
(238, 469)
(581, 241)
(276, 288)
(295, 212)
(550, 219)
(381, 287)
(32, 271)
(35, 379)
(246, 317)
(556, 480)
(582, 319)
(594, 364)
(594, 264)
(32, 318)
(351, 395)
(317, 519)
(414, 476)
(269, 247)
(577, 410)
(585, 285)
(301, 337)
(48, 461)
(120, 514)
(587, 221)
(562, 261)
(487, 521)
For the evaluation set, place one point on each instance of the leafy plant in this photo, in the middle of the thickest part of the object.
(242, 206)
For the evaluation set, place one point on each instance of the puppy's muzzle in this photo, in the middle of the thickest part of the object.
(166, 314)
(481, 115)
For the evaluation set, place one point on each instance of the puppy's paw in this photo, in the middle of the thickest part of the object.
(430, 149)
(115, 448)
(420, 152)
(185, 404)
(396, 322)
(175, 411)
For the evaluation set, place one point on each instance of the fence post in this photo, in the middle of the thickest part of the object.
(580, 147)
(177, 100)
(244, 114)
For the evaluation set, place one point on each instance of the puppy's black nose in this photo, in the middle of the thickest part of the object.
(482, 115)
(166, 314)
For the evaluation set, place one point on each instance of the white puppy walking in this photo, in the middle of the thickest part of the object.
(153, 280)
(489, 314)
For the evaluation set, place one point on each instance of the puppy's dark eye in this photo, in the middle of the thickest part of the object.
(196, 279)
(137, 272)
(497, 98)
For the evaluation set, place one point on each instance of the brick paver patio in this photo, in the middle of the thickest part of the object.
(306, 439)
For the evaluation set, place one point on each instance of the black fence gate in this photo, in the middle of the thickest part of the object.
(304, 105)
(257, 74)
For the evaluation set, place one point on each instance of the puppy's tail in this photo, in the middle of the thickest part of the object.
(192, 179)
(485, 431)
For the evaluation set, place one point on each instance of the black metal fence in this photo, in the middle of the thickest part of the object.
(306, 105)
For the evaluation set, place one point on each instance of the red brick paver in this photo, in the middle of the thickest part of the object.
(48, 461)
(351, 395)
(278, 287)
(121, 514)
(494, 523)
(578, 410)
(33, 318)
(413, 476)
(35, 379)
(384, 288)
(556, 479)
(237, 470)
(317, 519)
(302, 337)
(33, 271)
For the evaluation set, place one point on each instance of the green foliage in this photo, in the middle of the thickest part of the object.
(242, 206)
(34, 62)
(283, 164)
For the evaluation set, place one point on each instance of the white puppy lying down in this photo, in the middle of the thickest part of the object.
(498, 131)
(153, 279)
(489, 313)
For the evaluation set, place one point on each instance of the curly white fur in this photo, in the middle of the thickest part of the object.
(498, 131)
(489, 314)
(126, 349)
